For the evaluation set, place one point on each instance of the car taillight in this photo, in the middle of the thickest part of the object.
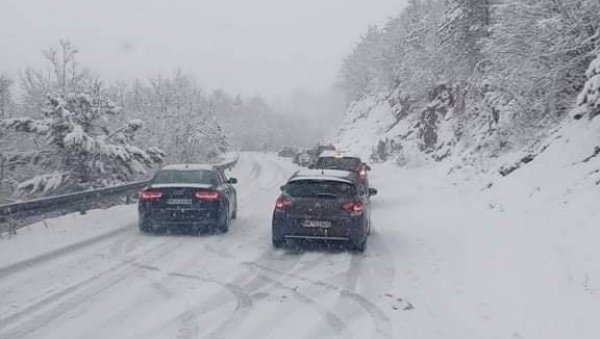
(208, 195)
(150, 195)
(282, 204)
(353, 207)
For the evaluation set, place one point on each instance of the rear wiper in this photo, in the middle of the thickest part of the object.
(327, 195)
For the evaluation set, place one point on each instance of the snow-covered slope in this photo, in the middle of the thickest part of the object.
(366, 121)
(510, 234)
(388, 127)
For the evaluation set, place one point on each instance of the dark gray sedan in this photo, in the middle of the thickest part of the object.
(188, 197)
(325, 205)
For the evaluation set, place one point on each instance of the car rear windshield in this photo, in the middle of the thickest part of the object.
(184, 177)
(344, 164)
(320, 189)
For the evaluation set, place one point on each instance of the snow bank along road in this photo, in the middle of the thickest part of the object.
(434, 268)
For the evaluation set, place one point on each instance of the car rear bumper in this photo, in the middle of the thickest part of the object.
(347, 229)
(311, 237)
(195, 219)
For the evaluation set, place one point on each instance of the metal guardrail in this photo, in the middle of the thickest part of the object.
(19, 214)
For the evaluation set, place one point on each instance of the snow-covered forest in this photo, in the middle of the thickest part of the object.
(469, 78)
(64, 129)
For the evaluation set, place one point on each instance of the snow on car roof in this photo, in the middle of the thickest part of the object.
(342, 154)
(317, 174)
(189, 167)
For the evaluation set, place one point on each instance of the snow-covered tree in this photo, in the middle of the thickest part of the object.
(537, 53)
(359, 68)
(464, 25)
(79, 150)
(404, 53)
(588, 101)
(179, 118)
(514, 66)
(6, 107)
(6, 101)
(61, 75)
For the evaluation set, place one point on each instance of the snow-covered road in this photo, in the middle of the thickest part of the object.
(439, 264)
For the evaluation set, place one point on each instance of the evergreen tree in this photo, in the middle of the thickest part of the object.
(79, 150)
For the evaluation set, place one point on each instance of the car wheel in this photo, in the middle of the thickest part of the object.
(359, 247)
(234, 214)
(278, 242)
(224, 226)
(144, 228)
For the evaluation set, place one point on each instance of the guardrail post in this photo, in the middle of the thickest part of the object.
(12, 228)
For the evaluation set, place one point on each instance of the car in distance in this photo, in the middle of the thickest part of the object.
(319, 149)
(338, 160)
(188, 197)
(326, 205)
(303, 159)
(287, 152)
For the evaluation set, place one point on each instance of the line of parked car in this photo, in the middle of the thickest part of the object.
(329, 201)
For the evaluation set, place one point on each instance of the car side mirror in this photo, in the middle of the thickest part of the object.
(232, 181)
(282, 187)
(367, 167)
(372, 192)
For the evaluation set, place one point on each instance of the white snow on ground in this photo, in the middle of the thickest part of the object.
(448, 259)
(55, 233)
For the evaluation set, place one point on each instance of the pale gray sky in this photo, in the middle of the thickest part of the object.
(265, 47)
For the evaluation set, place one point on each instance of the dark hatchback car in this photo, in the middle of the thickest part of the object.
(325, 205)
(188, 198)
(336, 160)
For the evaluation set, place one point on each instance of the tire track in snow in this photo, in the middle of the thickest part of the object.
(60, 252)
(187, 320)
(244, 295)
(379, 277)
(262, 281)
(104, 280)
(379, 317)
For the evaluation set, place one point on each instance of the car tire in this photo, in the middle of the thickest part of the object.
(278, 242)
(359, 247)
(234, 214)
(144, 227)
(224, 226)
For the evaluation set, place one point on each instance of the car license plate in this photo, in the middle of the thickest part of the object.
(179, 201)
(316, 224)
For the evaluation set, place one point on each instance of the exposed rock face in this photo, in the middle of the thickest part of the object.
(392, 126)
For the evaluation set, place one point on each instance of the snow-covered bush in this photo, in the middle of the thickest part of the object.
(78, 150)
(588, 101)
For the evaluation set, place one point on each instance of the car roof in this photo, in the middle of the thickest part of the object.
(342, 154)
(330, 175)
(189, 167)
